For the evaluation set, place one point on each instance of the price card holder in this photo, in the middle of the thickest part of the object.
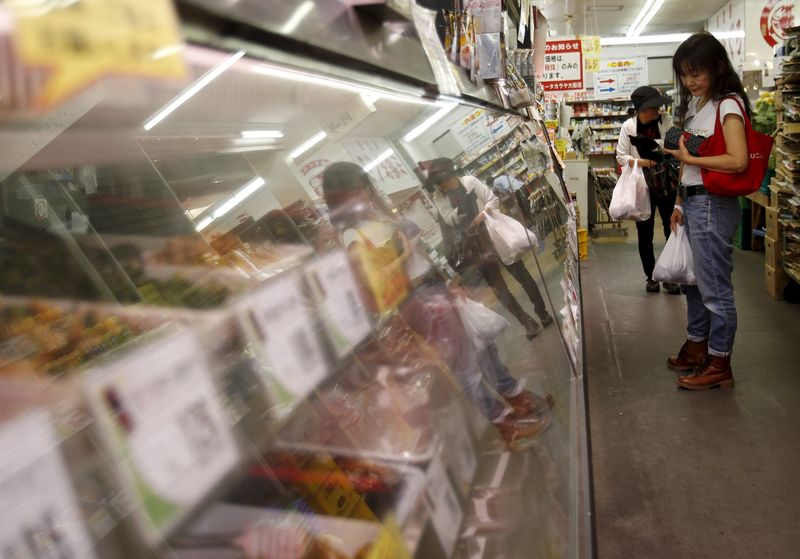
(339, 302)
(279, 324)
(442, 503)
(41, 516)
(160, 418)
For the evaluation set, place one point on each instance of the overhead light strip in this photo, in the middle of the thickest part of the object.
(259, 134)
(308, 144)
(644, 16)
(644, 39)
(378, 160)
(243, 193)
(297, 17)
(188, 93)
(414, 133)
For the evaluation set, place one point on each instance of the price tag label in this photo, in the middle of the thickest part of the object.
(443, 506)
(41, 518)
(160, 416)
(281, 327)
(339, 301)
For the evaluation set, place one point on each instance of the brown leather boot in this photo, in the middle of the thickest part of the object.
(515, 431)
(527, 403)
(690, 356)
(715, 372)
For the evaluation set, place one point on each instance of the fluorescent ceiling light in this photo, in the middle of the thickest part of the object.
(644, 16)
(645, 39)
(308, 144)
(378, 160)
(189, 92)
(317, 79)
(428, 122)
(728, 34)
(299, 15)
(247, 149)
(243, 193)
(258, 134)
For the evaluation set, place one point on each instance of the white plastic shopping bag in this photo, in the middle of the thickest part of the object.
(510, 238)
(675, 263)
(482, 324)
(631, 198)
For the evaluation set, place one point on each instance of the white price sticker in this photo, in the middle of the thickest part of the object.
(341, 307)
(278, 320)
(443, 505)
(41, 518)
(159, 414)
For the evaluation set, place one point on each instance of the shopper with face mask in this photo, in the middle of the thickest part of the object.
(639, 140)
(709, 86)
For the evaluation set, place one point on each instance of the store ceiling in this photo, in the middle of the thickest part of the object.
(609, 18)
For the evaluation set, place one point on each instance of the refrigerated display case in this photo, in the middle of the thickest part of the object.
(220, 347)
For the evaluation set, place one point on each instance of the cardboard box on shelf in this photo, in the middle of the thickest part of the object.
(775, 279)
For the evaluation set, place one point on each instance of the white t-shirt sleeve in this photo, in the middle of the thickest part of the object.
(729, 107)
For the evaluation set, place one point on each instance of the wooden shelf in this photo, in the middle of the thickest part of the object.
(759, 198)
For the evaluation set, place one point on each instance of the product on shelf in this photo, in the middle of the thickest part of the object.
(45, 339)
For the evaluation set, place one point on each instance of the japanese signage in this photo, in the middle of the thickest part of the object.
(563, 65)
(160, 417)
(41, 515)
(80, 42)
(473, 132)
(730, 19)
(389, 172)
(619, 77)
(309, 168)
(776, 17)
(591, 52)
(354, 113)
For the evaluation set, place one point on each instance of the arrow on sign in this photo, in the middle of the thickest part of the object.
(607, 81)
(608, 90)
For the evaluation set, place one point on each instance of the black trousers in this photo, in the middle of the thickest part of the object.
(664, 204)
(490, 271)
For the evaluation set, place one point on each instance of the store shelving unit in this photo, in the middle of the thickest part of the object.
(607, 117)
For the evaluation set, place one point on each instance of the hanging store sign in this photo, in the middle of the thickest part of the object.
(77, 43)
(619, 77)
(776, 17)
(591, 52)
(385, 166)
(563, 65)
(356, 111)
(473, 133)
(41, 515)
(729, 19)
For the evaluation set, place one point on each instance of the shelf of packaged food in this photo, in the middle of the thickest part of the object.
(600, 115)
(601, 127)
(486, 150)
(508, 164)
(620, 100)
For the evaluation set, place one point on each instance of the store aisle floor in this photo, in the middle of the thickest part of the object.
(681, 474)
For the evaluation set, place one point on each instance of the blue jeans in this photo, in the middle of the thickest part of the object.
(711, 223)
(496, 376)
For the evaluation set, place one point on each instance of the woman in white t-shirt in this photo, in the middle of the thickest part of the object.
(708, 82)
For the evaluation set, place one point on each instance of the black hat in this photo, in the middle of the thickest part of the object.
(647, 97)
(440, 169)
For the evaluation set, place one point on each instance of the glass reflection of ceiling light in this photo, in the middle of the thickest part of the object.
(308, 144)
(298, 16)
(167, 51)
(428, 122)
(246, 191)
(644, 16)
(316, 79)
(258, 134)
(378, 160)
(189, 92)
(645, 39)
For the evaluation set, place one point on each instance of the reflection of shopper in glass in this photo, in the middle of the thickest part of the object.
(637, 139)
(462, 202)
(706, 77)
(509, 185)
(360, 214)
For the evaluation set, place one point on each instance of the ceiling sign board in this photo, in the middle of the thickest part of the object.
(80, 42)
(563, 65)
(619, 77)
(354, 113)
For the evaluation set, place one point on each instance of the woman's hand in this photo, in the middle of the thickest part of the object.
(479, 218)
(676, 219)
(681, 154)
(643, 163)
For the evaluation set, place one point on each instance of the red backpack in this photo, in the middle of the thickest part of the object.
(748, 181)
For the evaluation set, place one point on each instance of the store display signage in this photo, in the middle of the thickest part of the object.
(82, 41)
(342, 122)
(591, 52)
(279, 324)
(619, 77)
(41, 515)
(443, 506)
(391, 174)
(776, 17)
(473, 132)
(339, 302)
(161, 420)
(728, 19)
(563, 65)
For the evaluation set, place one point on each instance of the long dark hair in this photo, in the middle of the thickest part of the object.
(703, 52)
(342, 179)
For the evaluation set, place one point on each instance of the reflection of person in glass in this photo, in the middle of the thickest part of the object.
(362, 216)
(462, 202)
